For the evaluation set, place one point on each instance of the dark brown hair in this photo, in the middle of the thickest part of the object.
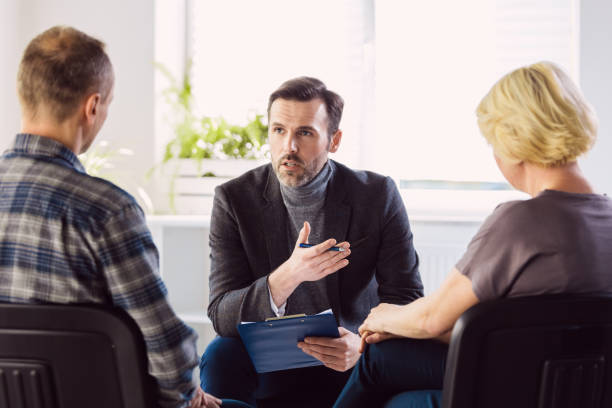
(306, 89)
(59, 68)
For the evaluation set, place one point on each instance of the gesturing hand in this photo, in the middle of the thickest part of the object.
(339, 354)
(306, 264)
(312, 264)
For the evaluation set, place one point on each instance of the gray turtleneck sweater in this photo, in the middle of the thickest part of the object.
(304, 203)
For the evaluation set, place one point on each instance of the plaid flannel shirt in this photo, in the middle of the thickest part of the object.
(66, 237)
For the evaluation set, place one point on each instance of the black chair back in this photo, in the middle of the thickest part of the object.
(72, 356)
(552, 351)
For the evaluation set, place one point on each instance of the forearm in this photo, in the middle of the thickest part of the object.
(228, 307)
(412, 320)
(172, 365)
(129, 261)
(427, 317)
(281, 284)
(170, 343)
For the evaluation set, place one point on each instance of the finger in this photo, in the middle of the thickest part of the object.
(362, 344)
(333, 268)
(209, 398)
(344, 244)
(324, 358)
(337, 366)
(329, 342)
(376, 338)
(329, 352)
(196, 401)
(303, 235)
(324, 246)
(329, 259)
(365, 326)
(364, 336)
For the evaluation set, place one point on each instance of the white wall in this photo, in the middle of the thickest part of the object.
(127, 28)
(596, 83)
(9, 111)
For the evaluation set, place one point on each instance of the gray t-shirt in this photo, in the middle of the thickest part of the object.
(556, 242)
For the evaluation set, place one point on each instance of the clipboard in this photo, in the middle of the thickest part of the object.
(272, 345)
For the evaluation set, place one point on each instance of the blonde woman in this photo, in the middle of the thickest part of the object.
(559, 241)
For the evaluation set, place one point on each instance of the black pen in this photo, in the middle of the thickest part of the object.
(334, 248)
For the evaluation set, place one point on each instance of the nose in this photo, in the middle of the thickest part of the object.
(291, 143)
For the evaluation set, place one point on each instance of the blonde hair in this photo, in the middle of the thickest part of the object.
(536, 114)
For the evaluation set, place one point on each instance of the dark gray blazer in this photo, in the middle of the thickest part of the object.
(249, 239)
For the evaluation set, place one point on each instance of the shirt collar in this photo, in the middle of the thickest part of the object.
(44, 147)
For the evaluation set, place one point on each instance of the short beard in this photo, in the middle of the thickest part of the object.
(307, 175)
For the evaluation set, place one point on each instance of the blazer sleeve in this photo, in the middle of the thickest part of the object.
(397, 265)
(235, 295)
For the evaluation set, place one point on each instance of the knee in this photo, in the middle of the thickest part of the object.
(414, 350)
(416, 399)
(223, 352)
(376, 354)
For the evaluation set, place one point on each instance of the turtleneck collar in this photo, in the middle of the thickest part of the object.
(310, 193)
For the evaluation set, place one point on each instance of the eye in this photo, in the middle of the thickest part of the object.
(305, 133)
(278, 130)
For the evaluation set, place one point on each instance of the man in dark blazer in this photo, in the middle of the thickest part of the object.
(258, 269)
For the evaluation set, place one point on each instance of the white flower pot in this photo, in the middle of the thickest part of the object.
(192, 193)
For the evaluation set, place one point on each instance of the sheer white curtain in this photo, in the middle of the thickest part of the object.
(411, 73)
(436, 59)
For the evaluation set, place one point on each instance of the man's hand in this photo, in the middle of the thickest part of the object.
(306, 264)
(339, 354)
(201, 399)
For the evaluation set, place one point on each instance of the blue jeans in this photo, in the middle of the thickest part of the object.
(387, 370)
(226, 372)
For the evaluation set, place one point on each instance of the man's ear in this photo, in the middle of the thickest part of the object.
(92, 105)
(335, 141)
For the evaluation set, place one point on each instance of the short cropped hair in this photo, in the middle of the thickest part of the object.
(59, 68)
(537, 114)
(306, 89)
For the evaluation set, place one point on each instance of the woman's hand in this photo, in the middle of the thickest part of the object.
(431, 316)
(380, 317)
(372, 338)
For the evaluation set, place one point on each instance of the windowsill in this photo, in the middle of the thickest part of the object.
(455, 205)
(423, 205)
(183, 221)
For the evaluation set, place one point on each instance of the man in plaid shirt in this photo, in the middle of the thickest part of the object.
(66, 237)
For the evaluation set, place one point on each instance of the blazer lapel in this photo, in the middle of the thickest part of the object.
(337, 219)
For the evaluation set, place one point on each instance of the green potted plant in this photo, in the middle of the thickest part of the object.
(205, 151)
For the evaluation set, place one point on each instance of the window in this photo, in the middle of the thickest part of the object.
(434, 62)
(243, 50)
(411, 73)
